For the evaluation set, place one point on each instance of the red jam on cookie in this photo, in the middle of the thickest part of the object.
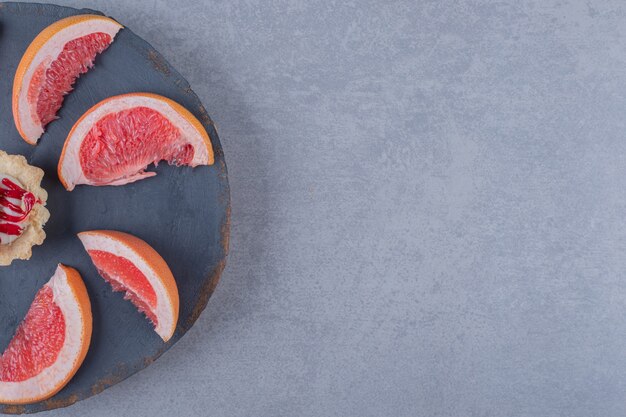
(22, 211)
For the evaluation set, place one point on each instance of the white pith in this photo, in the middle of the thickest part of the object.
(71, 169)
(49, 52)
(51, 377)
(164, 311)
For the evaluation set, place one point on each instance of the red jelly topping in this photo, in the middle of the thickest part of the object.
(9, 222)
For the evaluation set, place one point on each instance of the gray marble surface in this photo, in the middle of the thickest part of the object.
(428, 202)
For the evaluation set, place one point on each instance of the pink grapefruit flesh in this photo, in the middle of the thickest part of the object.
(128, 141)
(114, 142)
(57, 80)
(50, 66)
(50, 344)
(132, 266)
(37, 342)
(124, 276)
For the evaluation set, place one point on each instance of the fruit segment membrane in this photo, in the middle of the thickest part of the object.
(123, 275)
(122, 144)
(37, 342)
(53, 80)
(15, 205)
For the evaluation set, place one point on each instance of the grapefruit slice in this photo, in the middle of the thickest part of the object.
(50, 344)
(129, 264)
(50, 66)
(115, 141)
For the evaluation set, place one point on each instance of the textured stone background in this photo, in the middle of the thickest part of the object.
(428, 202)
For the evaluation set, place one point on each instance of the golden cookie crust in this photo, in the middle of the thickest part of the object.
(30, 178)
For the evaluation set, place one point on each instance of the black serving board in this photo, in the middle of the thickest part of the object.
(182, 212)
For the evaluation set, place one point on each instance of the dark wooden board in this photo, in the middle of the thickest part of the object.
(182, 212)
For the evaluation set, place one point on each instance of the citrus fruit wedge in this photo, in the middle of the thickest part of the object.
(129, 264)
(51, 342)
(50, 66)
(115, 141)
